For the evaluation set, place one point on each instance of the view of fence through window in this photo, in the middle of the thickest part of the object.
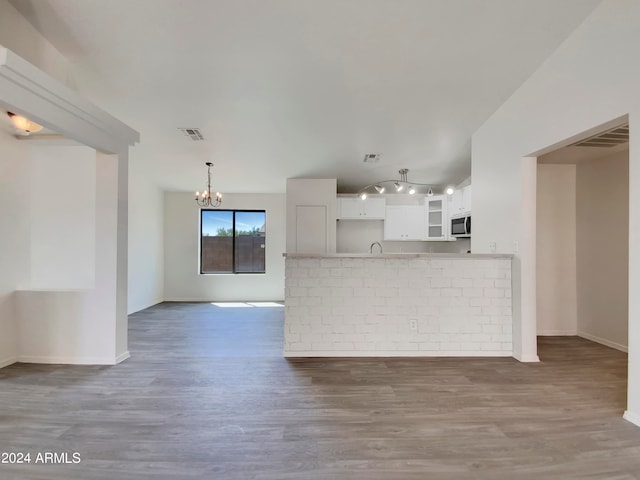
(232, 241)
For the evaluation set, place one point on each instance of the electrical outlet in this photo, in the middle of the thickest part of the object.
(492, 247)
(516, 246)
(413, 324)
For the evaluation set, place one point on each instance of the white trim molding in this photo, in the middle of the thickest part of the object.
(631, 417)
(604, 341)
(558, 333)
(526, 358)
(122, 357)
(29, 91)
(5, 362)
(68, 360)
(394, 353)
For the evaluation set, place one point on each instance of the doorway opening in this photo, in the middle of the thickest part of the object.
(582, 239)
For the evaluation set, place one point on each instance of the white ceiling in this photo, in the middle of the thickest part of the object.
(303, 88)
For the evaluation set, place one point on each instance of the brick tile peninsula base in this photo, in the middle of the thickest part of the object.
(398, 305)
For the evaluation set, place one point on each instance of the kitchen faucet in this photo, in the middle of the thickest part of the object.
(371, 247)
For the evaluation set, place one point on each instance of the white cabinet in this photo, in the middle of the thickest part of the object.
(460, 201)
(354, 208)
(437, 218)
(405, 222)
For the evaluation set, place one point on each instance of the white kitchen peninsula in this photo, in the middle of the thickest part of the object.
(402, 304)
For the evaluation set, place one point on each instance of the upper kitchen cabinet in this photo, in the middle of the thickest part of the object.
(437, 217)
(354, 208)
(460, 201)
(405, 222)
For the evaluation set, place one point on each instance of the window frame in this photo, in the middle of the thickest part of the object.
(233, 243)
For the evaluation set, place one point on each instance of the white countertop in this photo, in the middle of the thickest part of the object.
(397, 255)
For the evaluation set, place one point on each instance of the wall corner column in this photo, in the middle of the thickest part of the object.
(632, 413)
(525, 342)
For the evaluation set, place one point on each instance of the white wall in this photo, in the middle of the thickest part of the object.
(182, 242)
(55, 324)
(556, 246)
(18, 35)
(306, 197)
(146, 240)
(589, 81)
(89, 325)
(602, 246)
(14, 239)
(63, 236)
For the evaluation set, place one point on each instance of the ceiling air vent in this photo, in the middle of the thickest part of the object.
(193, 133)
(371, 158)
(610, 138)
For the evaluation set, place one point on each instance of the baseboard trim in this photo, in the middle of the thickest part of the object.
(5, 362)
(604, 341)
(67, 360)
(558, 333)
(526, 358)
(209, 300)
(395, 353)
(632, 417)
(139, 309)
(122, 357)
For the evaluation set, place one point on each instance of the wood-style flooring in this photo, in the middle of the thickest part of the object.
(207, 394)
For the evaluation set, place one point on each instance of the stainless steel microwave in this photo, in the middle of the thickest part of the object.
(461, 225)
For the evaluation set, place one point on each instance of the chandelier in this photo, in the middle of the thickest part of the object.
(206, 198)
(401, 184)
